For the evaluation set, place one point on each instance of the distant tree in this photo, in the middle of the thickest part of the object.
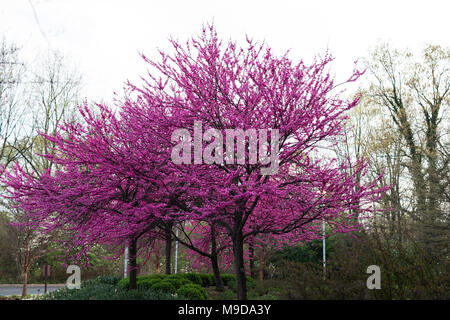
(30, 243)
(53, 100)
(48, 98)
(371, 134)
(8, 270)
(416, 96)
(11, 103)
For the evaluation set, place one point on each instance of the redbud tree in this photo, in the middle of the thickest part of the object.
(93, 198)
(227, 104)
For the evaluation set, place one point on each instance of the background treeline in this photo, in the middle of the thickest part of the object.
(401, 126)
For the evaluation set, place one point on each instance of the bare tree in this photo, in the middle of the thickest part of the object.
(11, 103)
(54, 98)
(51, 99)
(30, 244)
(416, 96)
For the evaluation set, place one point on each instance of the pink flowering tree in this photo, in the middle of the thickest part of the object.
(228, 106)
(96, 196)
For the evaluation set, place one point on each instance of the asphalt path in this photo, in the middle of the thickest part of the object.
(16, 289)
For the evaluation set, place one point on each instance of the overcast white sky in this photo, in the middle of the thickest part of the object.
(103, 37)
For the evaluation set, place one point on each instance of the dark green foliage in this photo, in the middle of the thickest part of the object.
(229, 295)
(113, 280)
(192, 292)
(194, 277)
(207, 279)
(230, 280)
(307, 252)
(103, 291)
(153, 276)
(124, 283)
(178, 282)
(155, 286)
(175, 276)
(163, 286)
(8, 267)
(250, 282)
(406, 272)
(146, 283)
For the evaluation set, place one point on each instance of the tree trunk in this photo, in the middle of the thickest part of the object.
(214, 261)
(168, 248)
(133, 264)
(158, 263)
(26, 268)
(216, 272)
(239, 267)
(252, 260)
(25, 282)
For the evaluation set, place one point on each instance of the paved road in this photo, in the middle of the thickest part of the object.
(16, 289)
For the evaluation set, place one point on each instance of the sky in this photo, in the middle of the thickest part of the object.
(103, 38)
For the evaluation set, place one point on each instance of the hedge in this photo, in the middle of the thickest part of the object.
(103, 291)
(163, 286)
(192, 292)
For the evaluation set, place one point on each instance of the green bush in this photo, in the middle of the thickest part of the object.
(103, 291)
(146, 283)
(113, 280)
(193, 277)
(192, 292)
(251, 283)
(229, 295)
(176, 276)
(179, 282)
(153, 277)
(261, 289)
(200, 288)
(207, 279)
(268, 296)
(179, 279)
(233, 285)
(230, 281)
(145, 295)
(163, 286)
(310, 252)
(124, 283)
(203, 279)
(227, 278)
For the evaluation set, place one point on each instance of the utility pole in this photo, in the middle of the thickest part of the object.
(176, 253)
(125, 263)
(323, 249)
